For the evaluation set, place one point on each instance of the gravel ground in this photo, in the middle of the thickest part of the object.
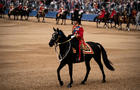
(28, 63)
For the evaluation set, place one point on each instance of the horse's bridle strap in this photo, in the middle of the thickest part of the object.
(65, 42)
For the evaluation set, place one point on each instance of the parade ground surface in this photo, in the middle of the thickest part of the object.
(28, 63)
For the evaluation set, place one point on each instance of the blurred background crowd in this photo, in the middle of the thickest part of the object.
(89, 6)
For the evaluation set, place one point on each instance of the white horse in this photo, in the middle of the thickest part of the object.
(138, 21)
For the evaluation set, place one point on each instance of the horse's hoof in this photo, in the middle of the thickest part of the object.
(69, 86)
(83, 83)
(61, 83)
(103, 81)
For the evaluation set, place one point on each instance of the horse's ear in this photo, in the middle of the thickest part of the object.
(58, 29)
(54, 29)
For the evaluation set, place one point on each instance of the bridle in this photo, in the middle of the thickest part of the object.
(67, 51)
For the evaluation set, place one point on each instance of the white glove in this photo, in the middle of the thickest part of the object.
(72, 36)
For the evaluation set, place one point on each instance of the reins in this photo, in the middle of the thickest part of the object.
(64, 42)
(61, 58)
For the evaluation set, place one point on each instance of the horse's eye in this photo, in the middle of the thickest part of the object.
(54, 36)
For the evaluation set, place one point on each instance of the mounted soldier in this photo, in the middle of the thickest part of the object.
(76, 13)
(25, 8)
(11, 8)
(42, 11)
(102, 13)
(113, 12)
(20, 6)
(41, 8)
(60, 11)
(78, 34)
(1, 5)
(2, 9)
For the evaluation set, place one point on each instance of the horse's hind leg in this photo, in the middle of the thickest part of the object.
(98, 60)
(65, 22)
(62, 21)
(87, 73)
(43, 20)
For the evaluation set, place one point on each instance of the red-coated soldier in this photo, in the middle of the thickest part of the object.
(102, 13)
(78, 32)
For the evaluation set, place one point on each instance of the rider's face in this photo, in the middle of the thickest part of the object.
(75, 22)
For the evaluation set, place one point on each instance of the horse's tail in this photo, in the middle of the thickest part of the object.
(108, 63)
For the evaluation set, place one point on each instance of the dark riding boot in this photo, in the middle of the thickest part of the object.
(81, 58)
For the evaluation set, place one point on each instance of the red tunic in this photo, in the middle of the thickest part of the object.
(102, 14)
(60, 10)
(1, 5)
(20, 7)
(41, 9)
(112, 13)
(25, 7)
(78, 31)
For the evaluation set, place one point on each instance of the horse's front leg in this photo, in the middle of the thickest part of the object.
(14, 17)
(56, 21)
(21, 17)
(62, 64)
(70, 73)
(65, 22)
(62, 21)
(97, 23)
(38, 17)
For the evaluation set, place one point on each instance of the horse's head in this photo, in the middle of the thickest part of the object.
(57, 37)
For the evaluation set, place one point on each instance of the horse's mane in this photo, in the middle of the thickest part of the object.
(61, 33)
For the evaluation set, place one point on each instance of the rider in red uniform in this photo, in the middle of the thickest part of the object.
(78, 31)
(112, 13)
(25, 8)
(20, 6)
(11, 8)
(60, 11)
(1, 5)
(102, 14)
(41, 8)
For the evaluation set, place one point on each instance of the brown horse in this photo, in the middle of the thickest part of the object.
(122, 18)
(105, 19)
(62, 16)
(42, 14)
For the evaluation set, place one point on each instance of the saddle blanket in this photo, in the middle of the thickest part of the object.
(86, 49)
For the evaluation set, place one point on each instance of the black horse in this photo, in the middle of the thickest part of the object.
(68, 57)
(76, 16)
(15, 12)
(62, 16)
(2, 11)
(25, 13)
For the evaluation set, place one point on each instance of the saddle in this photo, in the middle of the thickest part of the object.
(86, 49)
